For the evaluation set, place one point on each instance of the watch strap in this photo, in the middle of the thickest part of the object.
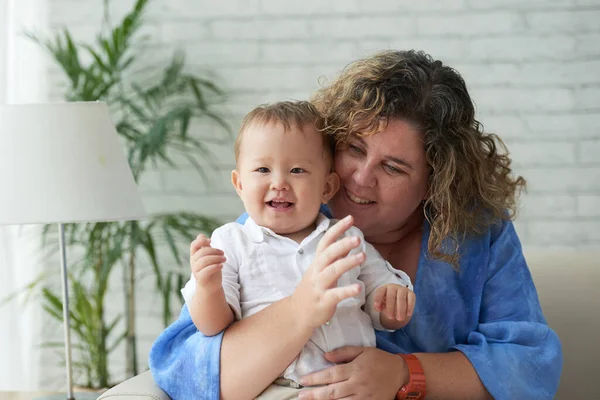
(416, 388)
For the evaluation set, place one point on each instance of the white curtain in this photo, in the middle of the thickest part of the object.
(22, 80)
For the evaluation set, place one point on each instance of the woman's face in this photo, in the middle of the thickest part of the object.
(384, 178)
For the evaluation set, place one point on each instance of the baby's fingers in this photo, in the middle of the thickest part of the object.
(329, 277)
(380, 298)
(335, 232)
(200, 241)
(204, 275)
(336, 251)
(391, 303)
(336, 295)
(205, 252)
(204, 262)
(411, 300)
(401, 304)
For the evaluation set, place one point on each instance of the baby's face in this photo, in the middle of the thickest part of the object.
(283, 177)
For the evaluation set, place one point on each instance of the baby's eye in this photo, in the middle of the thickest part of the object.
(262, 170)
(297, 170)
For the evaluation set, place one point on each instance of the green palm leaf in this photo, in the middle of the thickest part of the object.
(153, 117)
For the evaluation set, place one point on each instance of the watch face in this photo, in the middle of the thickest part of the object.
(408, 394)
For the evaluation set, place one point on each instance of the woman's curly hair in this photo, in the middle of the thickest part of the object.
(470, 184)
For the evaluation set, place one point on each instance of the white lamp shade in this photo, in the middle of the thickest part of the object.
(62, 163)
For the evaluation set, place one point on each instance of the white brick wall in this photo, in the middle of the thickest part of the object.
(532, 66)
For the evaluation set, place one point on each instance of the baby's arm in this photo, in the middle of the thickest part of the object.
(208, 307)
(388, 291)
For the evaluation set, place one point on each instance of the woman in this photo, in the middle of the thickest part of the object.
(435, 196)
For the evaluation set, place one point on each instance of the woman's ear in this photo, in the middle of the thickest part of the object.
(332, 185)
(236, 181)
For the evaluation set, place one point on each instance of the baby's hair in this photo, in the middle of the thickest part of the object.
(290, 114)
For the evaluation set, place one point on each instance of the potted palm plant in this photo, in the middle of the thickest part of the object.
(153, 118)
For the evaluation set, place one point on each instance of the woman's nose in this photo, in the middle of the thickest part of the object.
(364, 176)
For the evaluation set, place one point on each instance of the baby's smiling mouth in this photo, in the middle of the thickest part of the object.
(280, 204)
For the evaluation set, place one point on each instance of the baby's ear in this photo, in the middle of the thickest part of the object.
(236, 181)
(332, 185)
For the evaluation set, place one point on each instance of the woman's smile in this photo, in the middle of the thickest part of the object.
(357, 199)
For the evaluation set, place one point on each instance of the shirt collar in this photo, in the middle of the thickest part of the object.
(322, 223)
(253, 231)
(256, 233)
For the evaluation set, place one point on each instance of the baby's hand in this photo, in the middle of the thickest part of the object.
(206, 263)
(395, 302)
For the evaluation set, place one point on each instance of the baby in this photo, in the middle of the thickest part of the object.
(283, 174)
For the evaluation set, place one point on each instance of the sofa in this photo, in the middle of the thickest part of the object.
(566, 282)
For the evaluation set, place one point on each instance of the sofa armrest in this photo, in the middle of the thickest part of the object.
(140, 387)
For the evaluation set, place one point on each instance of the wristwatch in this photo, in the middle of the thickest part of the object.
(415, 389)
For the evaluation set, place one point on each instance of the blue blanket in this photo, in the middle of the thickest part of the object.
(185, 363)
(489, 311)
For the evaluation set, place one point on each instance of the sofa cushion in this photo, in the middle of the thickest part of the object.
(567, 283)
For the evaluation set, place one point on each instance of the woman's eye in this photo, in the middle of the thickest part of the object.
(262, 170)
(297, 170)
(355, 149)
(392, 169)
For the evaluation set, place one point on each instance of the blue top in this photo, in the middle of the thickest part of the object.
(489, 310)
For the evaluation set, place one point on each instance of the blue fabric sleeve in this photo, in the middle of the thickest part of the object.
(185, 363)
(515, 353)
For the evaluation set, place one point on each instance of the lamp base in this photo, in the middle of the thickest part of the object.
(77, 395)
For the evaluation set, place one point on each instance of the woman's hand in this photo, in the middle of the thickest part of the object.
(362, 373)
(317, 295)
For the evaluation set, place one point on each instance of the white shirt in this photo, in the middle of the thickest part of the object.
(263, 267)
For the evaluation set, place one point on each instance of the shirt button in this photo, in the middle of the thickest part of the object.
(301, 251)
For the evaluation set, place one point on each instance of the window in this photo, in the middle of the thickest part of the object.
(22, 78)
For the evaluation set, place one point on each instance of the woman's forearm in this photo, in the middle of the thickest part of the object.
(257, 349)
(451, 376)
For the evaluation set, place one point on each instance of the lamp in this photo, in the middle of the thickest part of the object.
(63, 163)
